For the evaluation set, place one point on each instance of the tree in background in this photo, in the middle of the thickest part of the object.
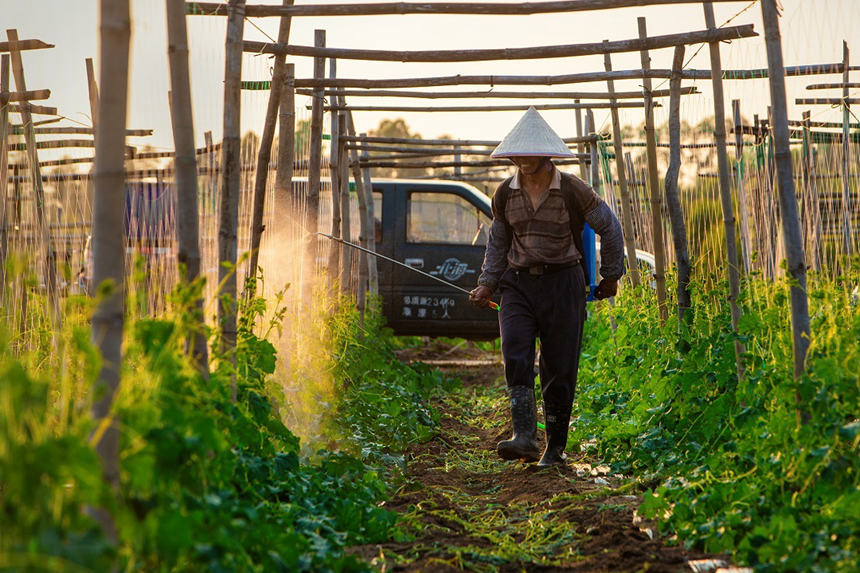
(400, 129)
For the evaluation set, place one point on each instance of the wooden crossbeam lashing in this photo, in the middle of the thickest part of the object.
(401, 8)
(542, 107)
(562, 51)
(493, 94)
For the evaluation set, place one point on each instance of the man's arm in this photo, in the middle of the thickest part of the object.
(606, 224)
(496, 255)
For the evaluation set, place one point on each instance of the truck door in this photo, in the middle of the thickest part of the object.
(442, 230)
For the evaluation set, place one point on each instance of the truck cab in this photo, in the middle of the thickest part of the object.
(441, 228)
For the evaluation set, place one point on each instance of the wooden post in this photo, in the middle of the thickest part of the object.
(315, 157)
(739, 177)
(230, 179)
(373, 272)
(345, 231)
(185, 165)
(813, 217)
(264, 153)
(43, 220)
(364, 229)
(846, 152)
(654, 183)
(93, 86)
(4, 179)
(725, 184)
(284, 201)
(673, 200)
(580, 148)
(108, 238)
(626, 215)
(790, 224)
(334, 253)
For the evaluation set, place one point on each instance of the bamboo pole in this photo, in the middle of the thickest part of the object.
(4, 181)
(725, 186)
(185, 165)
(654, 183)
(843, 101)
(811, 184)
(264, 153)
(284, 201)
(843, 85)
(626, 215)
(17, 45)
(746, 248)
(31, 148)
(315, 158)
(345, 219)
(437, 164)
(365, 226)
(19, 130)
(230, 162)
(335, 248)
(93, 91)
(790, 224)
(30, 95)
(673, 200)
(846, 153)
(55, 144)
(373, 272)
(478, 8)
(498, 80)
(579, 147)
(30, 108)
(426, 151)
(495, 94)
(450, 142)
(530, 53)
(520, 107)
(107, 238)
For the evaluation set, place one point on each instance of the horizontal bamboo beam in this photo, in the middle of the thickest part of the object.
(19, 130)
(40, 109)
(491, 80)
(440, 164)
(431, 151)
(523, 107)
(563, 51)
(54, 144)
(827, 101)
(493, 94)
(22, 45)
(833, 124)
(29, 95)
(449, 142)
(55, 162)
(401, 8)
(839, 85)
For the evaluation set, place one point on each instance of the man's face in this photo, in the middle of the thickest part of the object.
(529, 165)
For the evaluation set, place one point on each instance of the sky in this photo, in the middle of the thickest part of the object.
(812, 31)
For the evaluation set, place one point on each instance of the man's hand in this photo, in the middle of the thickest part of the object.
(606, 289)
(480, 296)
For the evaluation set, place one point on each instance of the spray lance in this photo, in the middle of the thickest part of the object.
(493, 305)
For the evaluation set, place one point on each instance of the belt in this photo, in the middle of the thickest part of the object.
(545, 269)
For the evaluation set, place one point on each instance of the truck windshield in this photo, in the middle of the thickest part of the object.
(445, 218)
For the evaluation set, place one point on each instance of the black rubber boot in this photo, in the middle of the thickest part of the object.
(523, 445)
(557, 423)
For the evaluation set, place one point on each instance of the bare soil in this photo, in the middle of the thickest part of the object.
(447, 503)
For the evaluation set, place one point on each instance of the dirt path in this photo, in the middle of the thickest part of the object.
(466, 509)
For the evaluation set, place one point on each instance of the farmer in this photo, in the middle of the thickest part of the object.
(533, 259)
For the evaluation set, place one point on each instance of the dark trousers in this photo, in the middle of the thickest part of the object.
(550, 307)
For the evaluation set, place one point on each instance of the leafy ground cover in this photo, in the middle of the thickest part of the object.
(766, 468)
(206, 484)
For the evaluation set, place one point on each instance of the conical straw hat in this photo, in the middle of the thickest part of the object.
(532, 136)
